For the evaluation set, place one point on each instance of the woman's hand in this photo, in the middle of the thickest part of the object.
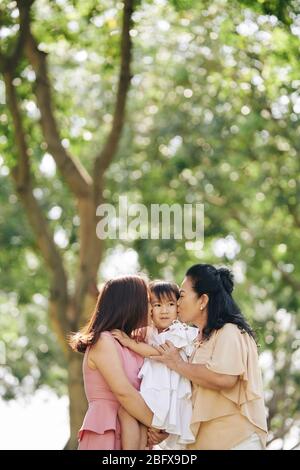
(122, 337)
(169, 355)
(156, 436)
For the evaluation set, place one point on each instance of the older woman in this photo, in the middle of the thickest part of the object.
(228, 405)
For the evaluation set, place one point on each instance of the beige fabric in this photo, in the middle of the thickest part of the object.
(252, 443)
(222, 419)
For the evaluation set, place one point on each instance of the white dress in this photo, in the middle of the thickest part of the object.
(166, 392)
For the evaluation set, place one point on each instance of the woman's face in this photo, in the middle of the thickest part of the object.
(188, 304)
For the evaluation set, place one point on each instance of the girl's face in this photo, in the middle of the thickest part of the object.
(188, 302)
(164, 311)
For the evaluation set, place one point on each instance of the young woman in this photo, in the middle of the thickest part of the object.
(110, 371)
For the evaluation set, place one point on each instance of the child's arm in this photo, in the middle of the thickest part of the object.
(142, 349)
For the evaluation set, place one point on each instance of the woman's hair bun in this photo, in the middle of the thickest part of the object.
(226, 278)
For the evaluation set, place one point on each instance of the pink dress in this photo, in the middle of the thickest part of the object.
(101, 428)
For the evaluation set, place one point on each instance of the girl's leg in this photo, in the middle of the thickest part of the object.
(130, 431)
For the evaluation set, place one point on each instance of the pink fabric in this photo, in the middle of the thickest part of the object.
(92, 441)
(101, 429)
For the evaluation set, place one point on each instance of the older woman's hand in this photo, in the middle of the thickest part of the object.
(156, 436)
(169, 355)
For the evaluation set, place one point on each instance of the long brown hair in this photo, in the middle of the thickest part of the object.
(122, 304)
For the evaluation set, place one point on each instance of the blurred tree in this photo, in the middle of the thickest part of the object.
(219, 126)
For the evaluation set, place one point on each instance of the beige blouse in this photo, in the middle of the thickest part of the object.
(223, 419)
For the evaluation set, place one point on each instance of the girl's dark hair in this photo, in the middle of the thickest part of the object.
(218, 284)
(164, 289)
(122, 304)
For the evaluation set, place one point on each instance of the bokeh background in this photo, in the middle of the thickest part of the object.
(162, 101)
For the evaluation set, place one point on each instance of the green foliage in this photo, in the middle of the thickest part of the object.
(212, 118)
(28, 348)
(282, 9)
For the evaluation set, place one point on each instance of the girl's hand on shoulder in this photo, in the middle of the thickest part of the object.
(122, 337)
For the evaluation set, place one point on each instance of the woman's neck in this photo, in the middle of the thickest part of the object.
(201, 322)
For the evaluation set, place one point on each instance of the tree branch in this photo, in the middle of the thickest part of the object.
(73, 172)
(91, 250)
(23, 183)
(78, 180)
(91, 247)
(10, 62)
(104, 158)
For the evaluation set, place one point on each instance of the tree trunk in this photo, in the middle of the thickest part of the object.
(77, 400)
(78, 403)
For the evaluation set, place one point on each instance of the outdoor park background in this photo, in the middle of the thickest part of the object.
(164, 101)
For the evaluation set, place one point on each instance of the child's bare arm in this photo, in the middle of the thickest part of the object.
(143, 349)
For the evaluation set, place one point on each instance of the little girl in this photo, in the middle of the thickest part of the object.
(167, 393)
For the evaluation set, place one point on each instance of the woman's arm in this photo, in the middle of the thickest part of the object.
(198, 373)
(106, 358)
(142, 349)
